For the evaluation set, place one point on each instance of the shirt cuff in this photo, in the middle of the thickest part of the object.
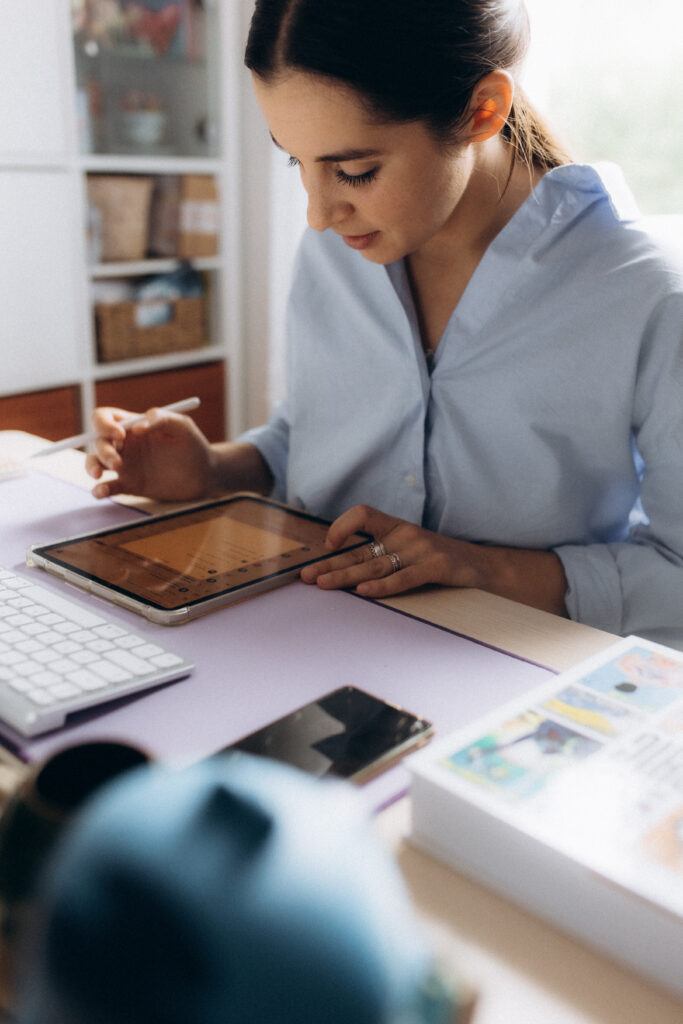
(273, 446)
(594, 594)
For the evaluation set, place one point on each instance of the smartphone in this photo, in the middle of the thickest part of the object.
(348, 733)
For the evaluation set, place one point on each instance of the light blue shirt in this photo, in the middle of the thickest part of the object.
(553, 414)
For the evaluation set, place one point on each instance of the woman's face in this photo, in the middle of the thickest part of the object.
(387, 189)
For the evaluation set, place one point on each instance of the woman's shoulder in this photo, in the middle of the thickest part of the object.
(594, 205)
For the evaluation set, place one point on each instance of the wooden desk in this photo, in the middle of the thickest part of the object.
(526, 972)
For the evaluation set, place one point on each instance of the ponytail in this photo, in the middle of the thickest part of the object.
(533, 143)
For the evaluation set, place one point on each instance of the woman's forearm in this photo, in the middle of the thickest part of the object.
(535, 578)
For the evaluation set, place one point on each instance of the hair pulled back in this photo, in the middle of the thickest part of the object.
(411, 60)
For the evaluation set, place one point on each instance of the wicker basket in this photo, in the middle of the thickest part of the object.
(124, 203)
(119, 336)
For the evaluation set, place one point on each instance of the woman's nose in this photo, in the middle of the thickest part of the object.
(325, 209)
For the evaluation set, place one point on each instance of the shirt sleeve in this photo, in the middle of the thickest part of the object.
(272, 440)
(636, 585)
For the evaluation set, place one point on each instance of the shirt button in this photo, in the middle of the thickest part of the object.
(410, 479)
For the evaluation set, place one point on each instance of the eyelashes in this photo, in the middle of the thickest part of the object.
(354, 180)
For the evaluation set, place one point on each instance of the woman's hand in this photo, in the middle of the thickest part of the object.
(415, 557)
(165, 456)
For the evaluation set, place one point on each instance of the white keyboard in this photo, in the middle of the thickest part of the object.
(58, 657)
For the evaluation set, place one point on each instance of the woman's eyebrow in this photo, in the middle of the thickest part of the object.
(338, 158)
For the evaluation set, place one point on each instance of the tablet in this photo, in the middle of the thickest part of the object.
(176, 566)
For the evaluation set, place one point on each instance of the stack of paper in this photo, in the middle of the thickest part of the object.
(569, 801)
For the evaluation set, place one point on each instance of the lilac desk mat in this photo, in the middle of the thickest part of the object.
(260, 659)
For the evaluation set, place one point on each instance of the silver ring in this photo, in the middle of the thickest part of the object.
(396, 563)
(377, 549)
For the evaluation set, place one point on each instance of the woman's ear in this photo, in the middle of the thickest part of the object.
(490, 106)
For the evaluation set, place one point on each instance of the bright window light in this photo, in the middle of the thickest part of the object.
(608, 77)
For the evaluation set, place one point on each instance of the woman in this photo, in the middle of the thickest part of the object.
(484, 350)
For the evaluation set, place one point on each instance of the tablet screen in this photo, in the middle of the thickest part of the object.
(187, 557)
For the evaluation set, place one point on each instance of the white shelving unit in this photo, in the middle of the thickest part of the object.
(47, 328)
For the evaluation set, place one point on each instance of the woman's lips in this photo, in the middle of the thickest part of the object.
(360, 241)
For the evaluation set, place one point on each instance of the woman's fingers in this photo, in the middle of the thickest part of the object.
(336, 563)
(372, 562)
(360, 519)
(342, 572)
(401, 557)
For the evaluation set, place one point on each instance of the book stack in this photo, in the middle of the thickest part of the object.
(569, 802)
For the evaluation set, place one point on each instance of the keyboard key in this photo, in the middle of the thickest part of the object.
(63, 665)
(66, 647)
(50, 618)
(149, 650)
(21, 685)
(28, 647)
(87, 680)
(12, 657)
(45, 678)
(64, 690)
(15, 582)
(13, 636)
(112, 673)
(84, 657)
(34, 629)
(100, 645)
(18, 619)
(46, 655)
(26, 668)
(43, 697)
(166, 659)
(51, 637)
(132, 664)
(83, 636)
(128, 641)
(66, 627)
(109, 631)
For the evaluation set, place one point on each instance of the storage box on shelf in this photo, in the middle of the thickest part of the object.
(120, 336)
(135, 216)
(139, 219)
(118, 219)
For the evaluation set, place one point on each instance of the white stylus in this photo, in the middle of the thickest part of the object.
(82, 439)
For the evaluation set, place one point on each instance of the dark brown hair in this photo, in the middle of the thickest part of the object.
(411, 60)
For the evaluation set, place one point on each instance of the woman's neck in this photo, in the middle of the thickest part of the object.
(492, 196)
(440, 271)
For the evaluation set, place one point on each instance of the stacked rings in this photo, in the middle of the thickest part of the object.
(377, 549)
(395, 561)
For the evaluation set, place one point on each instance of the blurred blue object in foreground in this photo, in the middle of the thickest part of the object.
(234, 890)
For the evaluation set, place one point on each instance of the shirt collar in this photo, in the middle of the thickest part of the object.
(599, 180)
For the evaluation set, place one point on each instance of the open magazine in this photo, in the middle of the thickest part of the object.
(569, 801)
